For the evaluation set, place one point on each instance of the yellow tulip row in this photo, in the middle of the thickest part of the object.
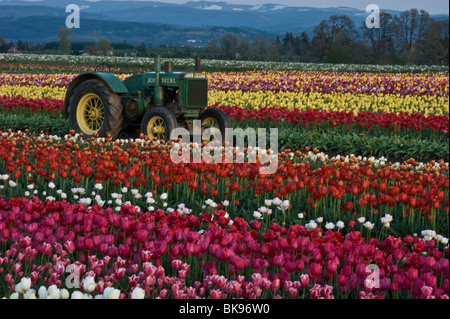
(428, 105)
(33, 92)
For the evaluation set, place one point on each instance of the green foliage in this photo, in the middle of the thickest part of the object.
(37, 122)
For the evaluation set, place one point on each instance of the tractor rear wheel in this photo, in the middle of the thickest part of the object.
(94, 108)
(217, 121)
(159, 123)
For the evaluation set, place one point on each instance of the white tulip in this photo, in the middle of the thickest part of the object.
(42, 292)
(53, 292)
(329, 226)
(65, 294)
(368, 225)
(277, 201)
(138, 293)
(77, 295)
(30, 294)
(89, 284)
(25, 284)
(257, 215)
(268, 202)
(113, 294)
(14, 296)
(340, 224)
(361, 219)
(99, 297)
(19, 289)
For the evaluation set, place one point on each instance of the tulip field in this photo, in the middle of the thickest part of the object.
(357, 209)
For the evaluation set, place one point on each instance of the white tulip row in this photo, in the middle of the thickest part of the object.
(220, 64)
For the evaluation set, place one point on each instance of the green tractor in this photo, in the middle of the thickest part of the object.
(154, 103)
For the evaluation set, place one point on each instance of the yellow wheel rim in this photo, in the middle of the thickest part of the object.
(213, 124)
(90, 114)
(156, 128)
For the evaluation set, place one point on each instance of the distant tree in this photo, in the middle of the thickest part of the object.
(65, 43)
(20, 45)
(303, 47)
(229, 45)
(337, 31)
(259, 49)
(433, 48)
(104, 47)
(212, 49)
(90, 49)
(141, 50)
(379, 38)
(409, 28)
(244, 49)
(337, 54)
(3, 45)
(288, 44)
(275, 50)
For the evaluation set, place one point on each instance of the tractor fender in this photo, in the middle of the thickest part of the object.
(110, 80)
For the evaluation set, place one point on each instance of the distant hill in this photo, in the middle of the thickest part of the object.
(41, 29)
(194, 20)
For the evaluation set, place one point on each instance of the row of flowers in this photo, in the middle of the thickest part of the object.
(60, 251)
(309, 118)
(277, 81)
(189, 64)
(427, 105)
(330, 82)
(365, 120)
(335, 102)
(341, 188)
(19, 103)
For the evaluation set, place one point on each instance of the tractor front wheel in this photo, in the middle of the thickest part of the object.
(93, 108)
(217, 122)
(159, 123)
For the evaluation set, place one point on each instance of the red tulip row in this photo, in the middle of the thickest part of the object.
(418, 196)
(18, 103)
(187, 257)
(368, 120)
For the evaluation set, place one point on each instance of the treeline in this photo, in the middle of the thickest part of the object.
(412, 37)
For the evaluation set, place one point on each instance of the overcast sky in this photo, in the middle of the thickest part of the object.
(432, 6)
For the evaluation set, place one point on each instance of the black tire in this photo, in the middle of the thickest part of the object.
(168, 118)
(222, 119)
(113, 110)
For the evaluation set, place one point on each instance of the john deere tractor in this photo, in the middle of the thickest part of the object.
(154, 102)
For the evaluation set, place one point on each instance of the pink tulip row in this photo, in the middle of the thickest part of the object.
(282, 81)
(328, 82)
(169, 255)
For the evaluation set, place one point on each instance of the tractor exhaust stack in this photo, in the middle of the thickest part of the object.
(198, 64)
(158, 90)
